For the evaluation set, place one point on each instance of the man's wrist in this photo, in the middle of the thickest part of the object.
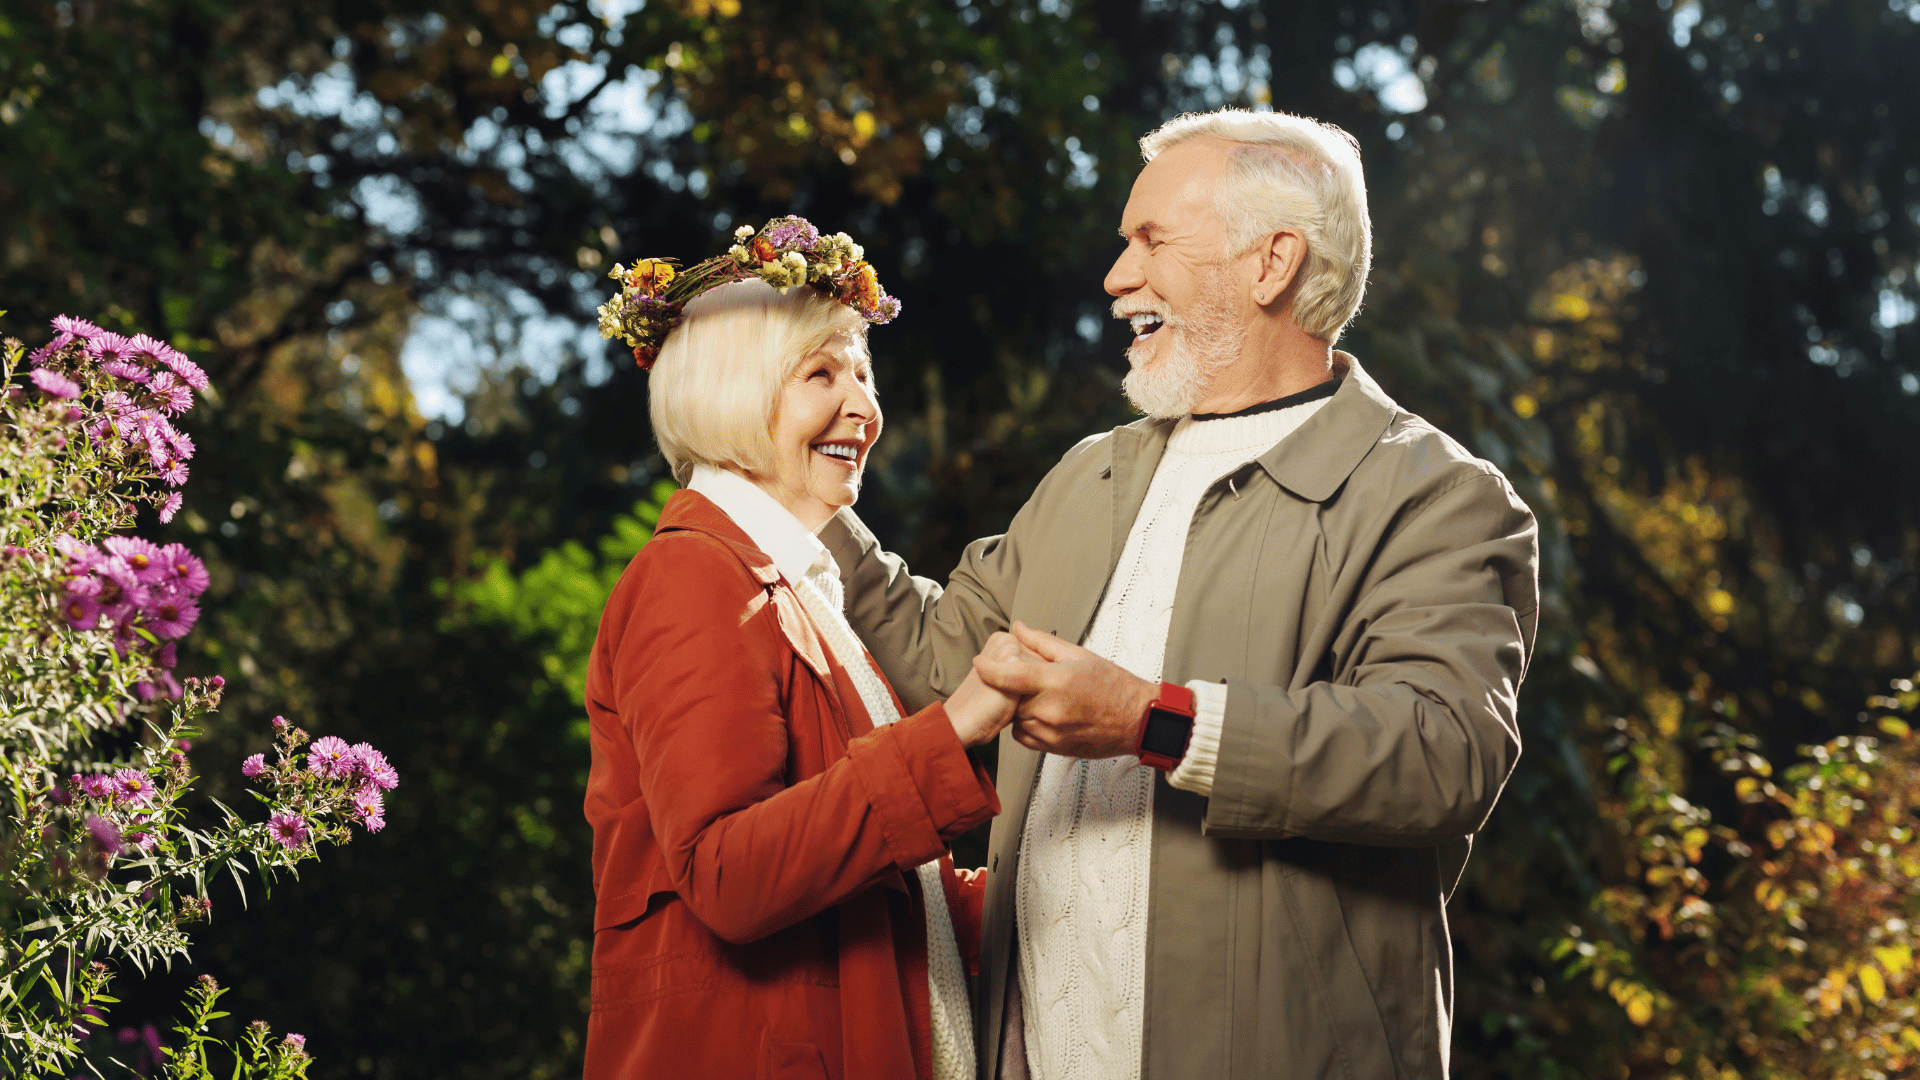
(1165, 727)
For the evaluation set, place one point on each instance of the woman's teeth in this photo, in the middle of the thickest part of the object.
(838, 450)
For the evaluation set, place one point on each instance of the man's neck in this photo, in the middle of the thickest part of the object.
(1272, 365)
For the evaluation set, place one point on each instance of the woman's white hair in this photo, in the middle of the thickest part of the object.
(715, 387)
(1291, 174)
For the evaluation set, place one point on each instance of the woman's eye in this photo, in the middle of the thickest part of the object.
(823, 373)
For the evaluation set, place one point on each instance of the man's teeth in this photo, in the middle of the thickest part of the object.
(838, 450)
(1145, 323)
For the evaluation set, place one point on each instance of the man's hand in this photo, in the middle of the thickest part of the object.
(1075, 703)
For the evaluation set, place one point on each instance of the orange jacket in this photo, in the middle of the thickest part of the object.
(752, 831)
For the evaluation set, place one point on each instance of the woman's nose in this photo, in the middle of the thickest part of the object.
(860, 403)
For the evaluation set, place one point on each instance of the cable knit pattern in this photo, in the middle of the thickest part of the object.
(952, 1013)
(1081, 895)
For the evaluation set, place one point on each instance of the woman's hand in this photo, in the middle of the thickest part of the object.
(977, 710)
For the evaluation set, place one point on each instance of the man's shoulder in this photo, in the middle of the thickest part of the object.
(1418, 461)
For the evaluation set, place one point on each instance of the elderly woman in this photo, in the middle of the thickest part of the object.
(774, 894)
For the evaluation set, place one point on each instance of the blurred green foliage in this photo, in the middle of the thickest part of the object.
(1654, 258)
(556, 603)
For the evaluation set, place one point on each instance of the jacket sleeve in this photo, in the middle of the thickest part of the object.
(924, 637)
(697, 673)
(1414, 735)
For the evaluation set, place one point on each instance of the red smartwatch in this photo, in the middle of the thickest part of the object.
(1166, 728)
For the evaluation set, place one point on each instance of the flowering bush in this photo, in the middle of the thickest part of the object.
(99, 859)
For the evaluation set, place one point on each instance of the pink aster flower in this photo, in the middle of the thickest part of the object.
(167, 657)
(54, 384)
(174, 472)
(94, 785)
(170, 506)
(296, 1043)
(122, 368)
(142, 555)
(255, 765)
(182, 445)
(184, 571)
(108, 347)
(371, 765)
(331, 758)
(144, 840)
(170, 616)
(132, 787)
(369, 809)
(105, 833)
(149, 349)
(189, 372)
(289, 828)
(79, 328)
(81, 612)
(174, 397)
(40, 355)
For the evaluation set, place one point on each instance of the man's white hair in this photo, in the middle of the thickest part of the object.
(1291, 174)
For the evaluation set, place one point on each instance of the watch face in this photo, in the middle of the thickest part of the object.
(1167, 733)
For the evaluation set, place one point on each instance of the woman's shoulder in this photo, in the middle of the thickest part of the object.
(688, 561)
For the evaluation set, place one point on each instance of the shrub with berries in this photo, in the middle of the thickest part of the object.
(102, 861)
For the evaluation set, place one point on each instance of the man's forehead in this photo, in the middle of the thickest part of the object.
(1173, 188)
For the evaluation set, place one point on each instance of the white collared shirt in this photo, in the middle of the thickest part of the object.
(795, 551)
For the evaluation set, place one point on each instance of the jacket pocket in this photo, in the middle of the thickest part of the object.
(1344, 995)
(793, 1061)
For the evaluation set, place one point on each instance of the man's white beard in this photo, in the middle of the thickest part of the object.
(1201, 346)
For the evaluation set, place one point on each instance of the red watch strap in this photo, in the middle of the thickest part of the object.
(1173, 699)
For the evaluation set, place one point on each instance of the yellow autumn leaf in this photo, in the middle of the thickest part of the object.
(1872, 984)
(1895, 958)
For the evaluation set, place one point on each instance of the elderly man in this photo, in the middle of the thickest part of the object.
(1270, 639)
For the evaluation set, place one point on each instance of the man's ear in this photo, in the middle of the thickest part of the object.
(1280, 263)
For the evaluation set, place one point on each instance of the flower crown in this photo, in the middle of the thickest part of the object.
(789, 251)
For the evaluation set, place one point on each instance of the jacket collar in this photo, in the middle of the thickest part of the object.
(1318, 457)
(1312, 462)
(690, 511)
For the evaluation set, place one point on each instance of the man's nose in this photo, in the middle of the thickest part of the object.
(1128, 273)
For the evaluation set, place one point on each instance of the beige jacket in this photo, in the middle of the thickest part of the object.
(1367, 591)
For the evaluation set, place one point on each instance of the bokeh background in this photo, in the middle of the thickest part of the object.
(1654, 258)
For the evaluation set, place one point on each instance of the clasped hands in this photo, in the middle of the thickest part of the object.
(1059, 697)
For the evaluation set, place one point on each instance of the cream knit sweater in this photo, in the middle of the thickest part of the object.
(1081, 893)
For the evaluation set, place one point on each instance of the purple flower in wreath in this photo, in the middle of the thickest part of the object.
(289, 828)
(793, 234)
